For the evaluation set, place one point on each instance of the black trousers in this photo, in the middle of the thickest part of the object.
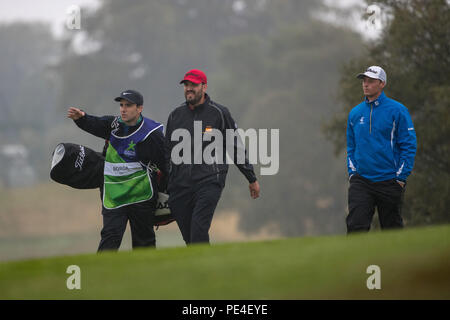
(140, 215)
(193, 207)
(364, 195)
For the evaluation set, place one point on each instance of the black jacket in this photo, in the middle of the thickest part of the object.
(149, 151)
(214, 116)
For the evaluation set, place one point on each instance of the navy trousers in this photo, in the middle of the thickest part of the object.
(364, 196)
(140, 215)
(193, 207)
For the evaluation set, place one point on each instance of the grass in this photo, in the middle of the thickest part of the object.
(54, 219)
(20, 248)
(415, 264)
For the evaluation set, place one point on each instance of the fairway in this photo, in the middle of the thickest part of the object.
(414, 264)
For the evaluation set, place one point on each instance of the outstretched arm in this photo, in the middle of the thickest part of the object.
(98, 126)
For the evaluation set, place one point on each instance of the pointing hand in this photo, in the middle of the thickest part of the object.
(75, 113)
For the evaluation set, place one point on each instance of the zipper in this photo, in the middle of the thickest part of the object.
(192, 146)
(370, 121)
(216, 167)
(392, 143)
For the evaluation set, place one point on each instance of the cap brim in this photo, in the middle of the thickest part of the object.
(362, 75)
(191, 80)
(120, 98)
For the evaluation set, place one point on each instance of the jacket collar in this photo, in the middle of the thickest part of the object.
(125, 125)
(125, 129)
(378, 100)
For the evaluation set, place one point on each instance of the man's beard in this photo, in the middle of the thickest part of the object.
(196, 99)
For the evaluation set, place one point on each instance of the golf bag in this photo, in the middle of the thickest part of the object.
(79, 167)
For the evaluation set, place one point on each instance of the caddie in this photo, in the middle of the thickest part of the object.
(134, 153)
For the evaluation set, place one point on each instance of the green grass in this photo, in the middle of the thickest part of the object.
(415, 264)
(19, 248)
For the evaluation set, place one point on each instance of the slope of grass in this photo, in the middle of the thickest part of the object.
(53, 219)
(415, 264)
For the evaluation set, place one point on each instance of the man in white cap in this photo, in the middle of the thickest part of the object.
(381, 146)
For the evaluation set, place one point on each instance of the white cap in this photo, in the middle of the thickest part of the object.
(374, 72)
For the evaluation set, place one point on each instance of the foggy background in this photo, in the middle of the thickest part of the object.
(274, 63)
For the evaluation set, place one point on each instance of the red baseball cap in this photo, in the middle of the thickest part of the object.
(195, 76)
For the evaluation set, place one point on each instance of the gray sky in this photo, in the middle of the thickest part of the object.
(55, 12)
(51, 11)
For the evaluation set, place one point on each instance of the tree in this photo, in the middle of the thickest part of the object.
(28, 88)
(286, 81)
(414, 49)
(149, 45)
(270, 63)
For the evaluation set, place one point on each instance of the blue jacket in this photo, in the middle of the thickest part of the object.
(381, 140)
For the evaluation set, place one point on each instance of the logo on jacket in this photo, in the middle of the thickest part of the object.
(115, 123)
(130, 151)
(361, 121)
(226, 147)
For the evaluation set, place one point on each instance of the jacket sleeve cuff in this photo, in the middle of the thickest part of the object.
(81, 119)
(252, 179)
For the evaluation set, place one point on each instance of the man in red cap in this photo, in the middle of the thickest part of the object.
(195, 186)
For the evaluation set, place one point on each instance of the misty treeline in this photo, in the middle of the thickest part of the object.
(271, 63)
